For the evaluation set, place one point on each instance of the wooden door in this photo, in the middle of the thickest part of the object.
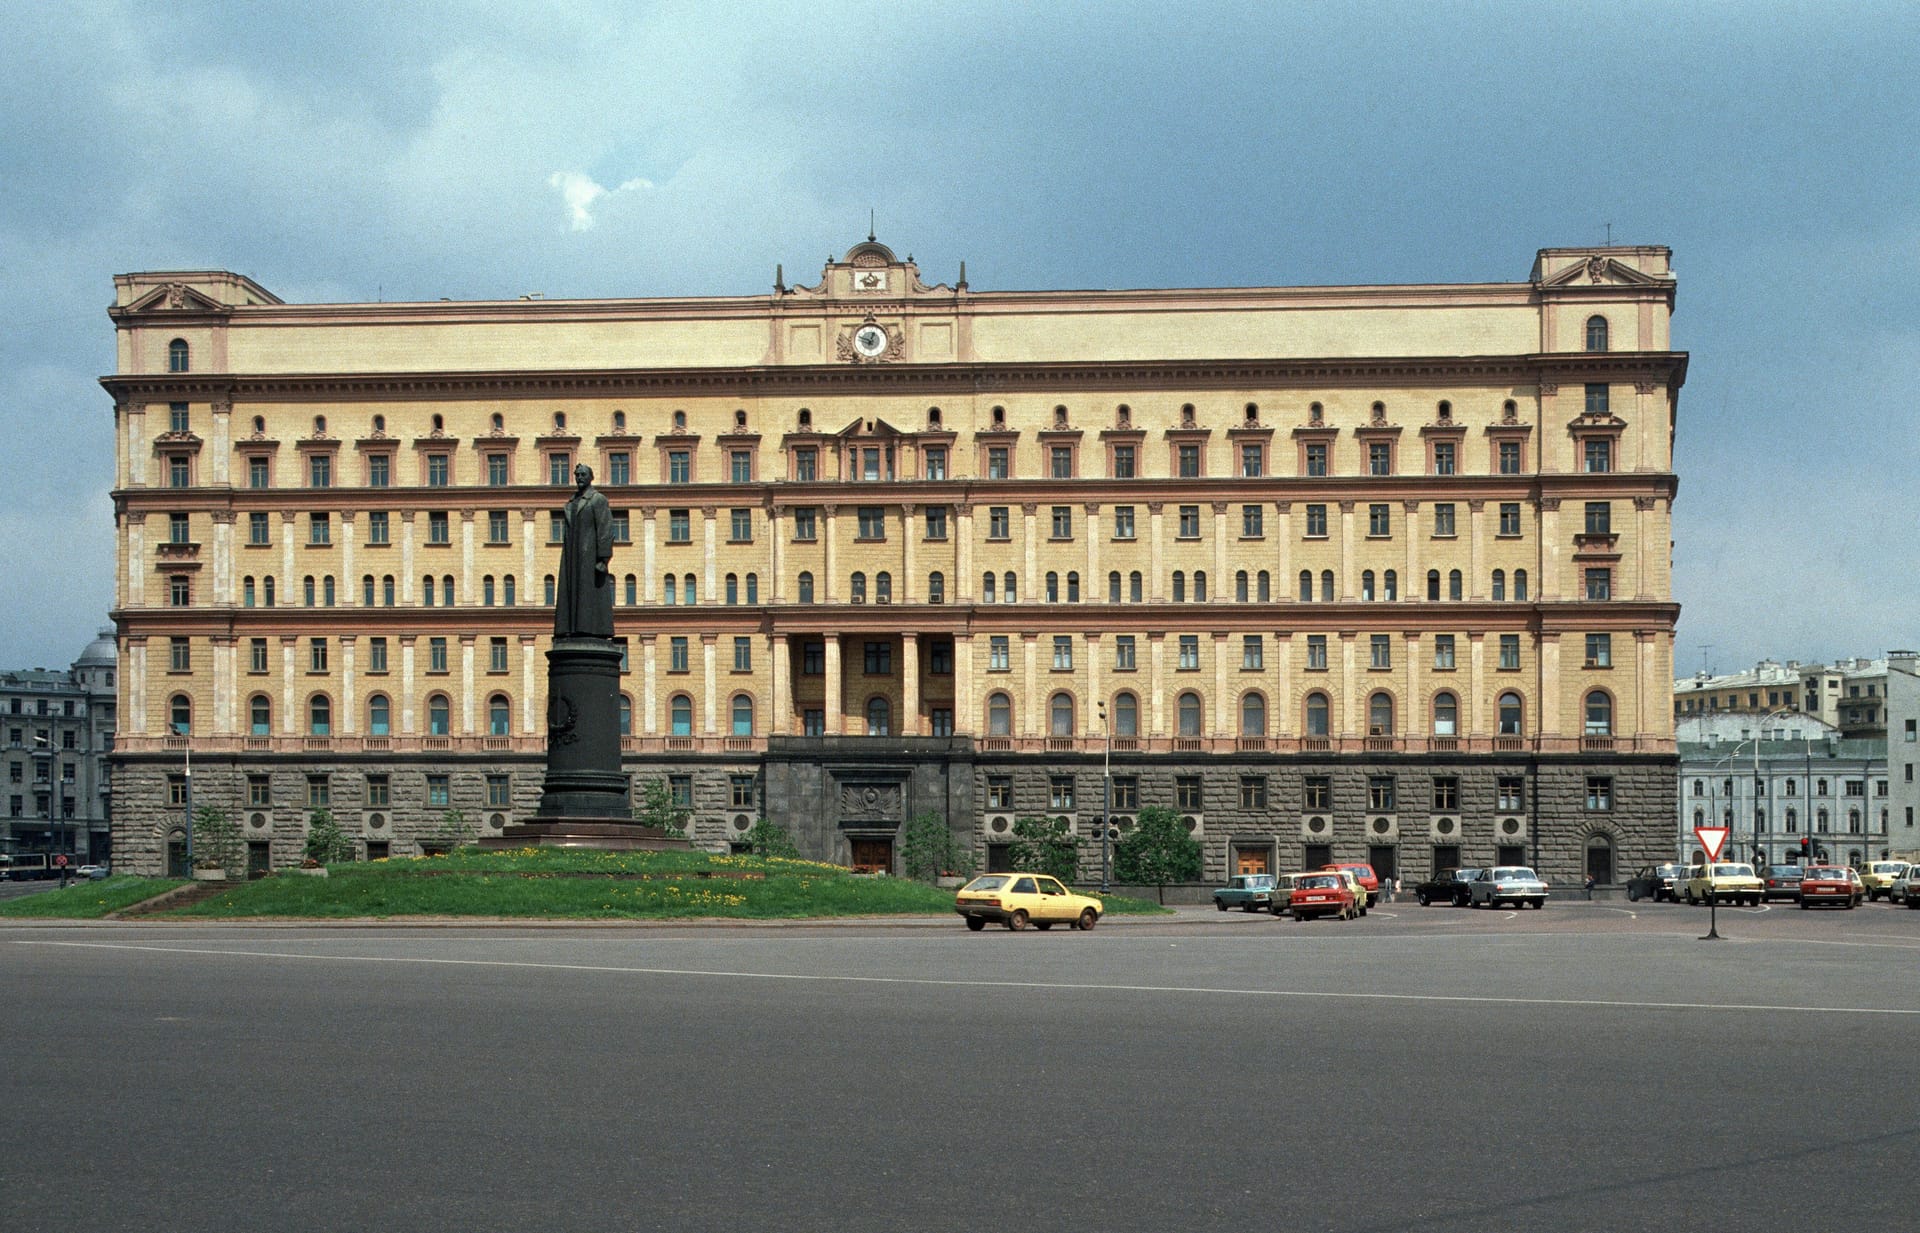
(1251, 860)
(872, 855)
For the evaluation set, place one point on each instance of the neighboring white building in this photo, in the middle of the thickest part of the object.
(1777, 780)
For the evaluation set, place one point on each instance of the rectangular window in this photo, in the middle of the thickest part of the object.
(378, 528)
(1509, 518)
(258, 475)
(1126, 792)
(1509, 463)
(679, 467)
(997, 462)
(376, 654)
(1189, 525)
(1446, 793)
(999, 792)
(740, 791)
(320, 471)
(437, 528)
(1189, 652)
(1599, 650)
(179, 530)
(1060, 792)
(1511, 793)
(179, 591)
(1599, 583)
(869, 465)
(1123, 462)
(1379, 520)
(1253, 461)
(177, 418)
(1253, 791)
(1316, 522)
(1188, 466)
(806, 463)
(1443, 458)
(1380, 651)
(740, 466)
(439, 795)
(740, 526)
(877, 658)
(1443, 651)
(997, 522)
(619, 467)
(496, 654)
(743, 654)
(1063, 652)
(1187, 793)
(259, 792)
(436, 655)
(1599, 456)
(680, 790)
(1379, 458)
(1123, 522)
(872, 522)
(1316, 460)
(813, 659)
(805, 524)
(1316, 791)
(1063, 522)
(437, 470)
(319, 530)
(496, 470)
(1596, 398)
(1253, 652)
(1599, 792)
(940, 658)
(256, 655)
(677, 653)
(936, 522)
(1123, 651)
(1380, 792)
(316, 655)
(499, 791)
(934, 462)
(319, 793)
(1060, 462)
(1599, 518)
(1253, 523)
(1443, 520)
(179, 471)
(179, 655)
(999, 658)
(940, 721)
(1510, 652)
(258, 530)
(1316, 652)
(679, 526)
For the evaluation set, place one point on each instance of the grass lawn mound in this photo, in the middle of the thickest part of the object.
(558, 883)
(87, 900)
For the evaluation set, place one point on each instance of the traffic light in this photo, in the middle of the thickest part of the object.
(1806, 847)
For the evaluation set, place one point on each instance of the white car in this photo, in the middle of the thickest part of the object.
(1906, 888)
(94, 872)
(1514, 884)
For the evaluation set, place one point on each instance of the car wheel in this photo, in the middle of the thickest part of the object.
(1018, 920)
(1088, 919)
(1422, 898)
(976, 923)
(1221, 904)
(1633, 893)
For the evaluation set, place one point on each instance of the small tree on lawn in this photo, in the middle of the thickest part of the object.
(928, 850)
(1158, 850)
(1044, 845)
(216, 841)
(771, 839)
(658, 808)
(326, 842)
(454, 830)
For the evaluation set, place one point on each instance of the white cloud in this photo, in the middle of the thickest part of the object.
(582, 193)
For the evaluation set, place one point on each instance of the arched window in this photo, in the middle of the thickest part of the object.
(987, 584)
(1179, 586)
(1599, 714)
(733, 589)
(427, 591)
(753, 588)
(306, 590)
(680, 715)
(806, 418)
(177, 360)
(326, 591)
(1453, 584)
(180, 714)
(883, 587)
(1700, 787)
(743, 714)
(1199, 586)
(688, 591)
(1053, 587)
(1136, 587)
(366, 591)
(1263, 587)
(546, 584)
(446, 591)
(1366, 585)
(320, 715)
(1240, 586)
(1446, 714)
(1510, 714)
(267, 583)
(1700, 818)
(936, 587)
(1499, 584)
(246, 592)
(1007, 589)
(1390, 586)
(1253, 714)
(1126, 715)
(1189, 711)
(671, 590)
(632, 588)
(1520, 585)
(1306, 586)
(1073, 586)
(806, 587)
(1380, 714)
(260, 716)
(486, 591)
(626, 715)
(1316, 714)
(857, 588)
(1596, 333)
(1433, 584)
(999, 715)
(439, 716)
(1326, 586)
(879, 717)
(1821, 822)
(379, 716)
(387, 589)
(679, 421)
(1060, 714)
(499, 716)
(1113, 587)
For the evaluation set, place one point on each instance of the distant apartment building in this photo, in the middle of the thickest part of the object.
(59, 729)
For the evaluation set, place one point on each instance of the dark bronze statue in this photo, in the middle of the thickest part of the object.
(583, 598)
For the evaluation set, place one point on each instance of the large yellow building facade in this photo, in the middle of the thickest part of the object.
(1344, 572)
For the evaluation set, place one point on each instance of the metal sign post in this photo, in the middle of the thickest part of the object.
(1713, 839)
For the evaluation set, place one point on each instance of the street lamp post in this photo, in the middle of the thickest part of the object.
(186, 749)
(43, 758)
(1106, 801)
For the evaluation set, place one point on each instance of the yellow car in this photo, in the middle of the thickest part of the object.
(1724, 882)
(1879, 877)
(1019, 899)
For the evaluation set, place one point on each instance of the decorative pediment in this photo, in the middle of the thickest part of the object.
(1601, 270)
(864, 428)
(175, 297)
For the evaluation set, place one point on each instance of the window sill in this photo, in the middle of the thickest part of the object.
(1245, 538)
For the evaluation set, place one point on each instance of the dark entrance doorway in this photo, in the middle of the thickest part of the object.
(177, 856)
(1510, 854)
(1252, 859)
(1600, 862)
(1385, 859)
(1445, 856)
(1317, 855)
(259, 859)
(872, 855)
(999, 858)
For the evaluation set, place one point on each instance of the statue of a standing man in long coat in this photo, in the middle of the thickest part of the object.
(583, 599)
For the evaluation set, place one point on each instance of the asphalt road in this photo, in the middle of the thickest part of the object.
(1585, 1067)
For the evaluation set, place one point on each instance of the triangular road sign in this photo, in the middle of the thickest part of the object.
(1712, 839)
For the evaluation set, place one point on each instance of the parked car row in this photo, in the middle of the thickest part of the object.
(1345, 891)
(1488, 887)
(1734, 882)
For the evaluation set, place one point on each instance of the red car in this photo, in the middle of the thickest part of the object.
(1365, 876)
(1323, 894)
(1831, 884)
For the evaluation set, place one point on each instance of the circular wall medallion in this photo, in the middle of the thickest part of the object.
(376, 821)
(1510, 826)
(1316, 825)
(1444, 826)
(1381, 826)
(999, 824)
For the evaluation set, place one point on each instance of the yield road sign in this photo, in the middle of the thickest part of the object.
(1712, 839)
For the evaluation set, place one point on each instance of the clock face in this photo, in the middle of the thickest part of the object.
(869, 340)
